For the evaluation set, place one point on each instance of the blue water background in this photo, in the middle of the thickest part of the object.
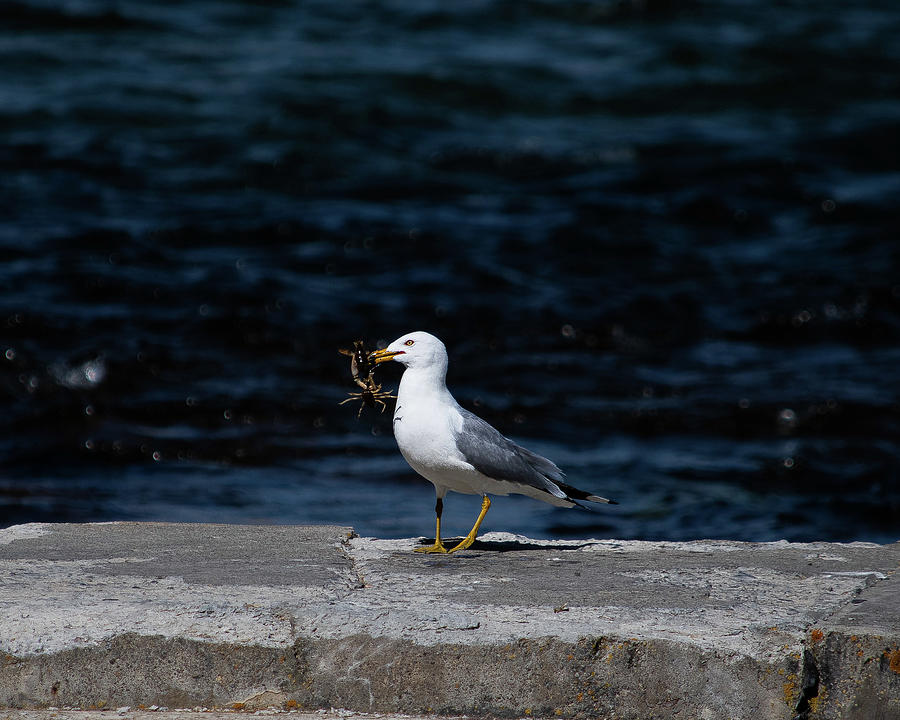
(660, 241)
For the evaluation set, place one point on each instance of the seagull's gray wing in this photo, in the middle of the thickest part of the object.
(498, 457)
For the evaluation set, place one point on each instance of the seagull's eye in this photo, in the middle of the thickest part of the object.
(410, 342)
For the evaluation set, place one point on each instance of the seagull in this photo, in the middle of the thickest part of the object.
(455, 449)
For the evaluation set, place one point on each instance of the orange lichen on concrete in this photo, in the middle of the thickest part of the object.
(894, 663)
(816, 636)
(791, 689)
(817, 702)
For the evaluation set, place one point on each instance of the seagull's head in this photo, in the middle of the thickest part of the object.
(414, 350)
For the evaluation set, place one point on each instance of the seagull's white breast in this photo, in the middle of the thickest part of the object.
(426, 423)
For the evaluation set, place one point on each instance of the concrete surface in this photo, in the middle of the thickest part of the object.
(129, 713)
(298, 618)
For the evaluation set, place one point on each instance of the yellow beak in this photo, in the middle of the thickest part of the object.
(383, 355)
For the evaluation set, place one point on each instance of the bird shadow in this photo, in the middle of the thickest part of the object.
(503, 546)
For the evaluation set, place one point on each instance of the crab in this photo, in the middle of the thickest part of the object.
(363, 372)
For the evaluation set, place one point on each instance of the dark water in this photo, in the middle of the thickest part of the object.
(659, 239)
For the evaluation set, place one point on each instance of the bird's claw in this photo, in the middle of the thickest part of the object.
(438, 547)
(464, 545)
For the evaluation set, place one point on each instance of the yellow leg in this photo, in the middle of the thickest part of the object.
(470, 538)
(438, 546)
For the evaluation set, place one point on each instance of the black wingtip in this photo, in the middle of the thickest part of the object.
(592, 505)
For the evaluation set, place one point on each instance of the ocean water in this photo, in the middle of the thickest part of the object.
(660, 241)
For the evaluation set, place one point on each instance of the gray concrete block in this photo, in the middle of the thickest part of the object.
(141, 614)
(200, 713)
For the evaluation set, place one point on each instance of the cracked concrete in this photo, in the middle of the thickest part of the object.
(140, 614)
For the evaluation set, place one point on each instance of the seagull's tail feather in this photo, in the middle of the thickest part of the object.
(551, 472)
(598, 499)
(587, 506)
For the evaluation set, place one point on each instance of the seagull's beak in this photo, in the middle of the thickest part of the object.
(383, 355)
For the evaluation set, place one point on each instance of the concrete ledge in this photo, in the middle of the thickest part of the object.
(151, 614)
(199, 713)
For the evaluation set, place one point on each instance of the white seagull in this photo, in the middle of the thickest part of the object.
(457, 450)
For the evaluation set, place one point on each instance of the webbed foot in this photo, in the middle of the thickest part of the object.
(438, 547)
